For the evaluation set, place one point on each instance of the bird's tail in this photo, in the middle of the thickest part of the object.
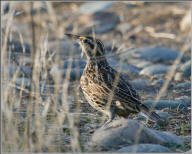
(150, 114)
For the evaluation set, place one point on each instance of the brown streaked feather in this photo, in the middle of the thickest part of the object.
(99, 85)
(123, 91)
(102, 84)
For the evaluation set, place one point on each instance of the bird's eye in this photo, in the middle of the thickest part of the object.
(85, 41)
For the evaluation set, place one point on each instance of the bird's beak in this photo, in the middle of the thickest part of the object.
(75, 37)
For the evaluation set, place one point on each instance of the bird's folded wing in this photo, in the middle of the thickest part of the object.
(121, 89)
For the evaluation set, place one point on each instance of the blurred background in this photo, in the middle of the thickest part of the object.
(43, 108)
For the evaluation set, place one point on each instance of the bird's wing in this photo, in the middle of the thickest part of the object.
(121, 89)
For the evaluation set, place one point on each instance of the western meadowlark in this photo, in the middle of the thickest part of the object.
(105, 89)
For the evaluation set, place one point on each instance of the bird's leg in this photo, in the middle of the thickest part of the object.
(107, 122)
(111, 117)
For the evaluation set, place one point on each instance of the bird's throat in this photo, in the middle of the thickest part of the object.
(96, 65)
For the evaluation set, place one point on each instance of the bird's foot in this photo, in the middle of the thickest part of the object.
(106, 123)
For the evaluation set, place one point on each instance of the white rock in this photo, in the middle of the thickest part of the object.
(125, 132)
(145, 148)
(90, 7)
(185, 24)
(154, 69)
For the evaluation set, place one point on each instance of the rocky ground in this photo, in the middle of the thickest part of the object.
(42, 68)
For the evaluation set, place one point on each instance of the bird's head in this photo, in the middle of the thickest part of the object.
(93, 48)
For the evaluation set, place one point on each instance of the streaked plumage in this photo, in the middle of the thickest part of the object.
(104, 88)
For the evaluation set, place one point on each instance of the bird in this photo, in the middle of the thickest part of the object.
(106, 89)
